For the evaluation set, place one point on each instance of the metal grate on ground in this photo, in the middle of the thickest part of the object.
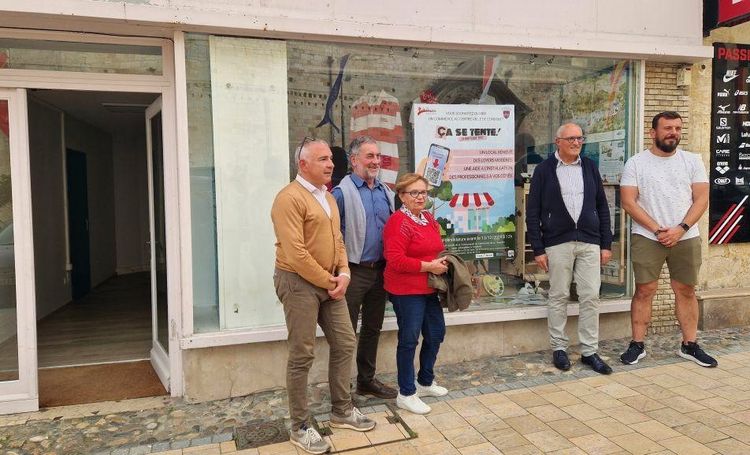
(390, 428)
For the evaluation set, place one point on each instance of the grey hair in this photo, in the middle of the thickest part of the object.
(359, 142)
(565, 125)
(300, 150)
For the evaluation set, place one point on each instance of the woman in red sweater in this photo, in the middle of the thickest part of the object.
(411, 243)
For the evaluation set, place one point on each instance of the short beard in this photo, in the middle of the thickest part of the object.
(666, 148)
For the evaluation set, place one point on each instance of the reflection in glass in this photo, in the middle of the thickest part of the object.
(202, 184)
(80, 57)
(8, 316)
(545, 91)
(330, 85)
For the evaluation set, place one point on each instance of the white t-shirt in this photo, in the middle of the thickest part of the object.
(664, 187)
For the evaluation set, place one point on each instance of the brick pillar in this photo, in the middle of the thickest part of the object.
(663, 94)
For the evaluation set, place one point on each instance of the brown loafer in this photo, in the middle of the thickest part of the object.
(376, 389)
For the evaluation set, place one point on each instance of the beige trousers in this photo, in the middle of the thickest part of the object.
(581, 261)
(305, 307)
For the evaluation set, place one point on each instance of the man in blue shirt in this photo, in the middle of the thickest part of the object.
(365, 204)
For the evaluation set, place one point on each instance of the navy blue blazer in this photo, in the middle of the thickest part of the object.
(548, 222)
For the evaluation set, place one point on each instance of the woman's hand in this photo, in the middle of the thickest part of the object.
(436, 266)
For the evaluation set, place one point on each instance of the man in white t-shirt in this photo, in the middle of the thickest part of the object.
(665, 190)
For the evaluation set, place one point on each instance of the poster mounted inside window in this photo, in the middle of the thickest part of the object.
(466, 153)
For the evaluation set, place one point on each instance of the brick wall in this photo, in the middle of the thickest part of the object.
(662, 93)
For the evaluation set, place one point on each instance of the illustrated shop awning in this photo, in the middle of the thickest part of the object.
(472, 200)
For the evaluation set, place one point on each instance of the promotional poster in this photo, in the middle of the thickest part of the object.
(466, 152)
(730, 145)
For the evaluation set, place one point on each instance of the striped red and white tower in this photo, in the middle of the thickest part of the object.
(378, 115)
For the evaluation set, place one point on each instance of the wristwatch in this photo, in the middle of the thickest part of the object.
(685, 226)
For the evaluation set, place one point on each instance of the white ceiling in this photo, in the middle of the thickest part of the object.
(108, 111)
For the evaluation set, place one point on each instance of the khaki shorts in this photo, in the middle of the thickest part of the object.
(683, 259)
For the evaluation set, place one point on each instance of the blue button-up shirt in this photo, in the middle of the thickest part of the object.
(377, 212)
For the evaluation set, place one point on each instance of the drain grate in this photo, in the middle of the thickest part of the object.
(260, 433)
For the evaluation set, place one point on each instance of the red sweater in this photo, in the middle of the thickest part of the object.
(405, 245)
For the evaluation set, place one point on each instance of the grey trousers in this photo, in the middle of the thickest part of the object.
(581, 261)
(305, 307)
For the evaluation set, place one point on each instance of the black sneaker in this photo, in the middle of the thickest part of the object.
(692, 351)
(636, 351)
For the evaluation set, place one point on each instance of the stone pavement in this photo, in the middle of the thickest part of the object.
(516, 404)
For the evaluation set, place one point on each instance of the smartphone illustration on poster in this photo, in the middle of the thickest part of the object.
(437, 157)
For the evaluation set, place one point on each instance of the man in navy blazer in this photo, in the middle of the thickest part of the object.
(568, 225)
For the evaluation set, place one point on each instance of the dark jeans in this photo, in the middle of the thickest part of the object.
(366, 294)
(415, 314)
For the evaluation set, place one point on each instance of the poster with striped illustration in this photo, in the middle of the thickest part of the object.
(466, 152)
(378, 115)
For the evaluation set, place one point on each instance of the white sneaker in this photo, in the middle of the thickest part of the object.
(413, 404)
(432, 390)
(309, 440)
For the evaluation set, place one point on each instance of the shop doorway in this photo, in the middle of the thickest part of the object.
(99, 245)
(78, 69)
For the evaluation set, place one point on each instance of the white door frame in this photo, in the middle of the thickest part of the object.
(21, 395)
(164, 86)
(159, 357)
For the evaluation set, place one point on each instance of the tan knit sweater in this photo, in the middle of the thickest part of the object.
(308, 242)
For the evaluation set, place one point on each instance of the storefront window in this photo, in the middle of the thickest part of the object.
(25, 54)
(475, 124)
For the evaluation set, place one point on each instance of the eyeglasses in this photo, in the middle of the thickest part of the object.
(415, 194)
(573, 139)
(298, 150)
(305, 140)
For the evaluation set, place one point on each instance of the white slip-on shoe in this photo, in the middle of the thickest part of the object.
(432, 390)
(413, 404)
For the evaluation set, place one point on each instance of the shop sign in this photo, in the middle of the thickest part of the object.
(467, 154)
(730, 144)
(732, 12)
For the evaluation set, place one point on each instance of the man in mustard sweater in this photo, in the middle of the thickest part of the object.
(311, 278)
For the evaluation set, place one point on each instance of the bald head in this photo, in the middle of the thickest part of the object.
(303, 152)
(315, 163)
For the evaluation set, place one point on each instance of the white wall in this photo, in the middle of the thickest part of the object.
(131, 200)
(97, 145)
(48, 208)
(664, 29)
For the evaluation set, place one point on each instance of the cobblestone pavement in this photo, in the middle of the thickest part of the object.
(514, 404)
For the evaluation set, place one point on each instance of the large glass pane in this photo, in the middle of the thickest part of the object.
(480, 203)
(160, 237)
(202, 183)
(8, 316)
(80, 57)
(340, 91)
